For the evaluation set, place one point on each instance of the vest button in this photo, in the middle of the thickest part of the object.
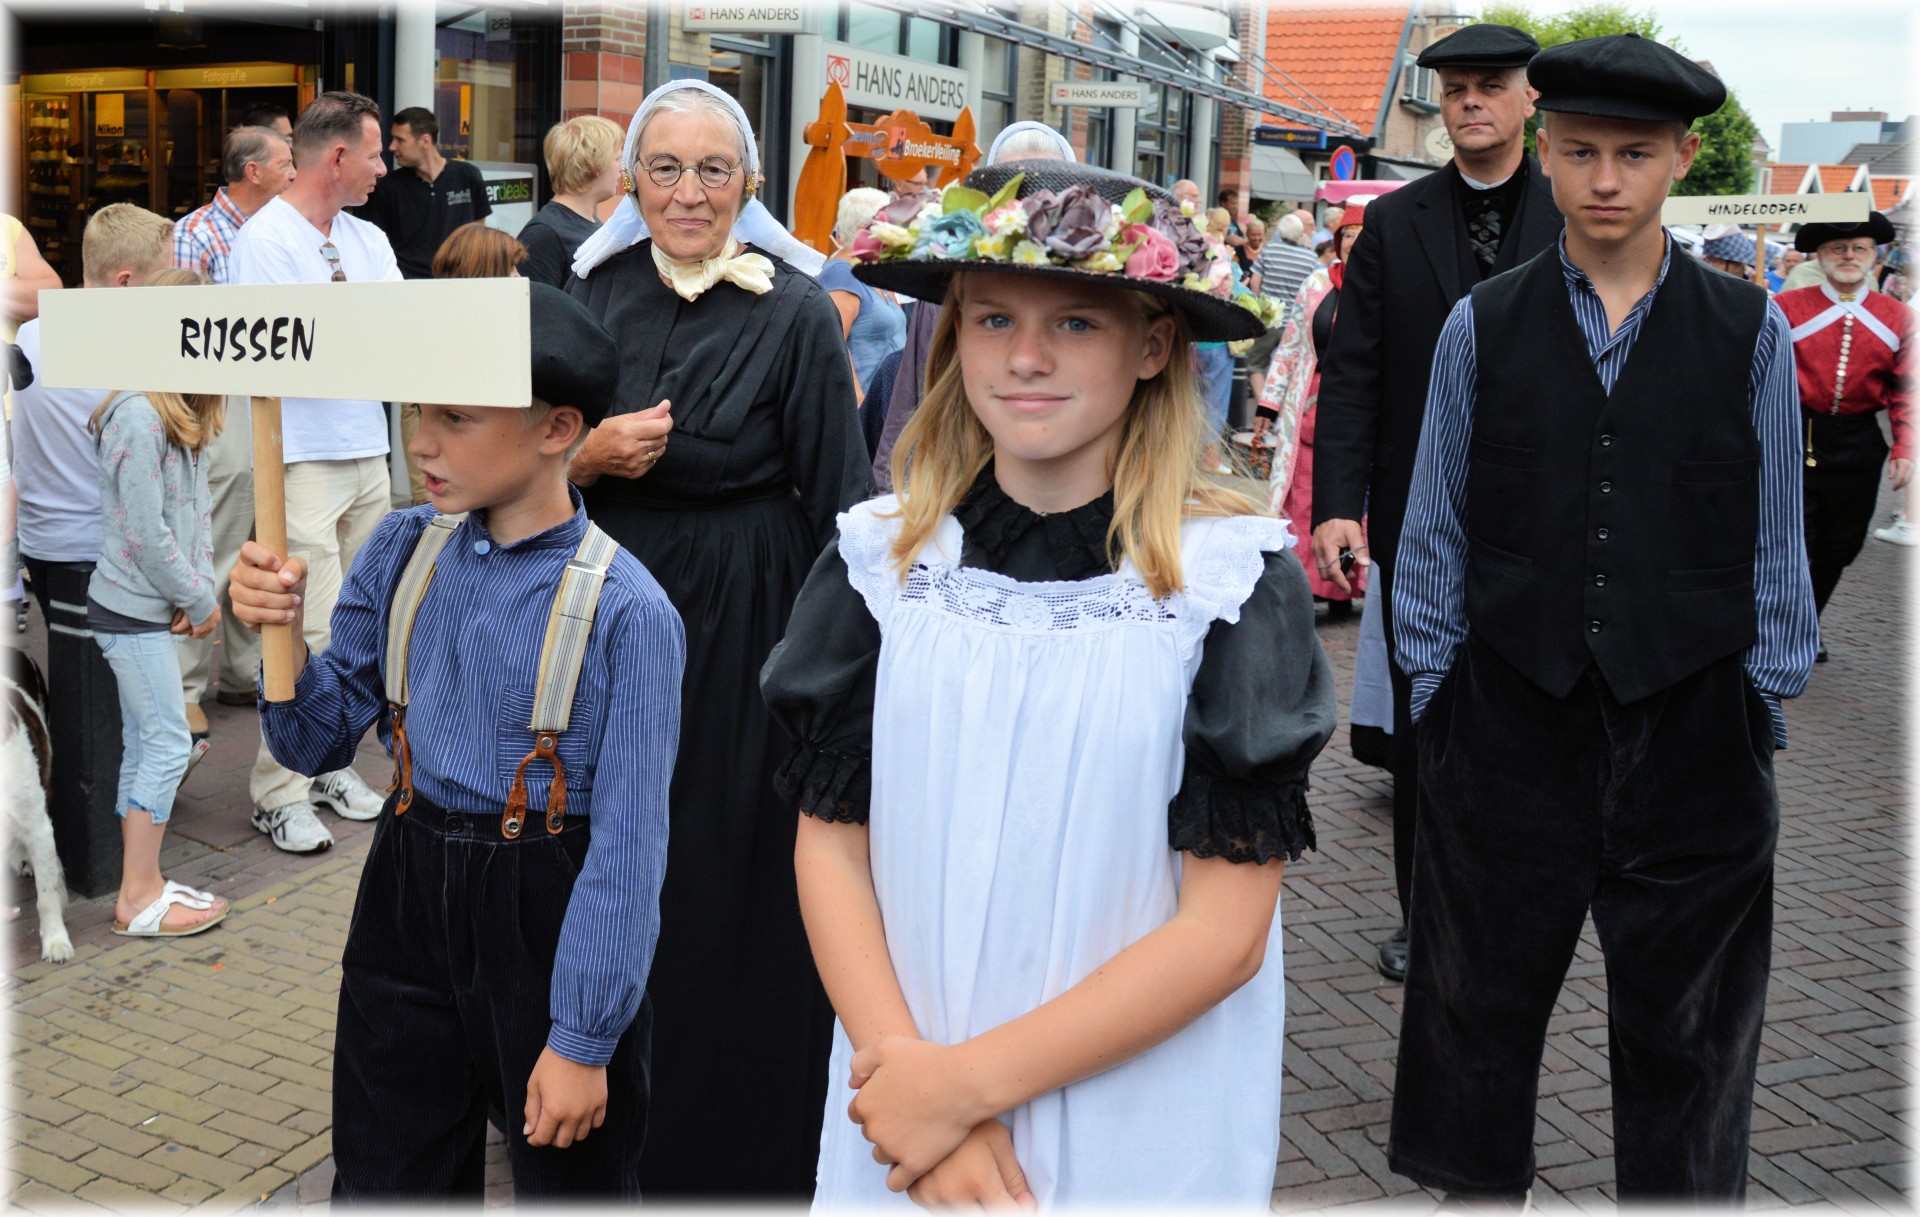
(1606, 441)
(1606, 488)
(1593, 627)
(1603, 534)
(1599, 580)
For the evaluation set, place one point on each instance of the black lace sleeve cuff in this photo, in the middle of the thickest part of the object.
(1240, 820)
(826, 784)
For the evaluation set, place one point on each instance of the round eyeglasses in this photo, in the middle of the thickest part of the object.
(713, 172)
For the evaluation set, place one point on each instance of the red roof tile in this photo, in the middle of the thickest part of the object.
(1836, 178)
(1787, 177)
(1340, 58)
(1888, 191)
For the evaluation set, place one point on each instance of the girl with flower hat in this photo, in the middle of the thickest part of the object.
(1054, 704)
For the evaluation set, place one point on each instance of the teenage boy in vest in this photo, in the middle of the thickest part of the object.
(508, 911)
(1602, 597)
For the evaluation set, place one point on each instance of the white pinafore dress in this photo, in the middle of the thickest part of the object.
(1026, 743)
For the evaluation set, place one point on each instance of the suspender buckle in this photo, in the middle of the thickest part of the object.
(545, 748)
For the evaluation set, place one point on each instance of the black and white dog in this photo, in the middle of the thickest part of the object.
(28, 769)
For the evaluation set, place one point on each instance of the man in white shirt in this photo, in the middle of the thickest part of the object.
(336, 450)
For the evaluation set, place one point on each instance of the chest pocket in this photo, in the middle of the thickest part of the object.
(574, 746)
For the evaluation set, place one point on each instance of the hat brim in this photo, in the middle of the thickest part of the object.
(1625, 108)
(1812, 236)
(1208, 318)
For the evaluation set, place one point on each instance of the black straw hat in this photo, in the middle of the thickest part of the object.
(1812, 236)
(1624, 76)
(1481, 45)
(1057, 220)
(575, 361)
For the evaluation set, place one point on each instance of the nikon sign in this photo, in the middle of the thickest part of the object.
(885, 82)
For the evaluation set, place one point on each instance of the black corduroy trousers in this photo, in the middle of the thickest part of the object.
(444, 1011)
(1661, 817)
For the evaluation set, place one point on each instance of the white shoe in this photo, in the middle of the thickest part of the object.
(1900, 532)
(294, 827)
(347, 796)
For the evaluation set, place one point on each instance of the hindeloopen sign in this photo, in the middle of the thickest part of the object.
(296, 340)
(1118, 94)
(1847, 208)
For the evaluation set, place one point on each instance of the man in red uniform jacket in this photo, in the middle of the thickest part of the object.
(1853, 347)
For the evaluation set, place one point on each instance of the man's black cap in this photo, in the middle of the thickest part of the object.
(1481, 46)
(1624, 76)
(1812, 236)
(575, 362)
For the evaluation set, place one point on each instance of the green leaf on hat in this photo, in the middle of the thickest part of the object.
(1006, 192)
(962, 198)
(1137, 208)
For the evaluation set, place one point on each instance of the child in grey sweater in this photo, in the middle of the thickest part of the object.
(153, 585)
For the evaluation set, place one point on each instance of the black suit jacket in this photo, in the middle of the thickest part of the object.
(1410, 266)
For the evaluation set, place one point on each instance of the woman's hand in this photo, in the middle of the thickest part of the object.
(916, 1104)
(625, 445)
(982, 1173)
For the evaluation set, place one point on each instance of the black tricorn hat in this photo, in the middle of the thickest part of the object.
(1481, 46)
(1209, 318)
(1624, 76)
(575, 361)
(1812, 236)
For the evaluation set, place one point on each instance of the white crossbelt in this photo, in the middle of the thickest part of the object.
(1858, 311)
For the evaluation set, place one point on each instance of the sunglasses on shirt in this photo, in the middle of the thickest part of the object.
(332, 256)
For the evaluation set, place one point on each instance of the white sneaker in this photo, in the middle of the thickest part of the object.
(347, 796)
(294, 827)
(1900, 532)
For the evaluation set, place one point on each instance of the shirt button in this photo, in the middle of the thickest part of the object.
(1603, 534)
(1606, 441)
(481, 547)
(1593, 627)
(1599, 580)
(1606, 488)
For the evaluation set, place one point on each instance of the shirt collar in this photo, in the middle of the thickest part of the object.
(1859, 293)
(1578, 278)
(994, 523)
(567, 533)
(223, 202)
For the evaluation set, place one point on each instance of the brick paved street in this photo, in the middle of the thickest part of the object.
(170, 1074)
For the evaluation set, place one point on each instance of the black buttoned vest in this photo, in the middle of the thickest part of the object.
(1613, 529)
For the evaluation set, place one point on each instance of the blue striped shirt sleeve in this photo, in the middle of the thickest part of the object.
(1430, 567)
(1781, 657)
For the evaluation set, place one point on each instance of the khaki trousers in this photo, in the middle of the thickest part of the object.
(332, 507)
(230, 484)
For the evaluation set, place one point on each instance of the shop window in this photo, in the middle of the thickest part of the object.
(487, 94)
(993, 107)
(871, 28)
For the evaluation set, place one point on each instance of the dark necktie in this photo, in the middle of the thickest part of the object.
(1483, 227)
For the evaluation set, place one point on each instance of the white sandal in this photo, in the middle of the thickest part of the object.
(150, 922)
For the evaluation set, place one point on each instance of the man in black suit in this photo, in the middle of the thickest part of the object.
(1425, 245)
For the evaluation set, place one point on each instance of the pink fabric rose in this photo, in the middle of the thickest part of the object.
(1153, 257)
(865, 247)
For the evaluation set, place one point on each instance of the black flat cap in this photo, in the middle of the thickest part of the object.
(1624, 76)
(1481, 46)
(1812, 236)
(575, 362)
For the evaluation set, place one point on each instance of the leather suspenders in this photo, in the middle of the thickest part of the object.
(569, 625)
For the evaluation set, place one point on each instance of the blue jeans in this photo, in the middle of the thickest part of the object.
(155, 741)
(1216, 382)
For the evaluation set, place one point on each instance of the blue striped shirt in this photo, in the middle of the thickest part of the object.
(1429, 586)
(471, 675)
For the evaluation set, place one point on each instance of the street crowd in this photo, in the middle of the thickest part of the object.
(848, 733)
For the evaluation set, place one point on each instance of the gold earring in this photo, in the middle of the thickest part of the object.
(626, 182)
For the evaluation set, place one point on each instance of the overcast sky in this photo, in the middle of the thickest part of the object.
(1792, 63)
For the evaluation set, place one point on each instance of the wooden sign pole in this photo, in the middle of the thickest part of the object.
(1760, 255)
(270, 530)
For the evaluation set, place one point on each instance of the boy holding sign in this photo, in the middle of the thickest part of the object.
(505, 926)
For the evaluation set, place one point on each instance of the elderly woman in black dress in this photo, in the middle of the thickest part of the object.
(734, 445)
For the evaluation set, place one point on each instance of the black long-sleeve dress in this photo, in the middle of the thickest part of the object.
(765, 451)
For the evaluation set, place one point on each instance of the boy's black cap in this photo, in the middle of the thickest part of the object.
(1812, 236)
(1481, 46)
(1624, 76)
(575, 362)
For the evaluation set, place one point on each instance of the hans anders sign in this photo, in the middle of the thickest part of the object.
(745, 18)
(892, 82)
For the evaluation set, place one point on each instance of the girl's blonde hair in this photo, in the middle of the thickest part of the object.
(579, 150)
(1157, 480)
(190, 420)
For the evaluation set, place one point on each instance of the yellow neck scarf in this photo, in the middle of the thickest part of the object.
(688, 279)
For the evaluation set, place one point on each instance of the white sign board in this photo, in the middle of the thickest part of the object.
(788, 18)
(449, 341)
(893, 82)
(1116, 93)
(1847, 208)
